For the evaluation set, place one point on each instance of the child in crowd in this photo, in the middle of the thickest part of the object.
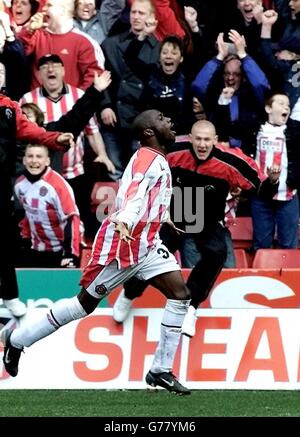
(51, 222)
(280, 215)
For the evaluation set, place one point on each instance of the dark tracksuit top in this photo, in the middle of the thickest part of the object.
(223, 170)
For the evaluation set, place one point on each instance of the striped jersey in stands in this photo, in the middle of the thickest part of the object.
(230, 209)
(271, 150)
(142, 203)
(53, 110)
(48, 203)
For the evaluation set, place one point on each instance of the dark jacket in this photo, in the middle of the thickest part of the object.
(287, 70)
(168, 93)
(223, 170)
(290, 37)
(126, 88)
(77, 118)
(17, 69)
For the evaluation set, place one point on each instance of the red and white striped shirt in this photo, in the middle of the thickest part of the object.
(142, 203)
(48, 204)
(271, 150)
(73, 158)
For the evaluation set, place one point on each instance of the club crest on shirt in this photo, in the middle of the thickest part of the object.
(101, 289)
(43, 191)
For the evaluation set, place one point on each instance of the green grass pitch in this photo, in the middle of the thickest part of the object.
(146, 403)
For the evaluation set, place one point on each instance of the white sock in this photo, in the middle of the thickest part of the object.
(170, 334)
(61, 313)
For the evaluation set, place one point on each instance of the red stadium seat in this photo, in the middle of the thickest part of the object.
(241, 259)
(276, 259)
(241, 232)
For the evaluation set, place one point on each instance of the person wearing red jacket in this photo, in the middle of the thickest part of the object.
(52, 31)
(15, 126)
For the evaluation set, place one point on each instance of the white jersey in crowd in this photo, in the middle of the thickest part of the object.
(142, 203)
(271, 150)
(48, 203)
(53, 110)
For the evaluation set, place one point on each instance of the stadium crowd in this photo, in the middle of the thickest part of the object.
(234, 63)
